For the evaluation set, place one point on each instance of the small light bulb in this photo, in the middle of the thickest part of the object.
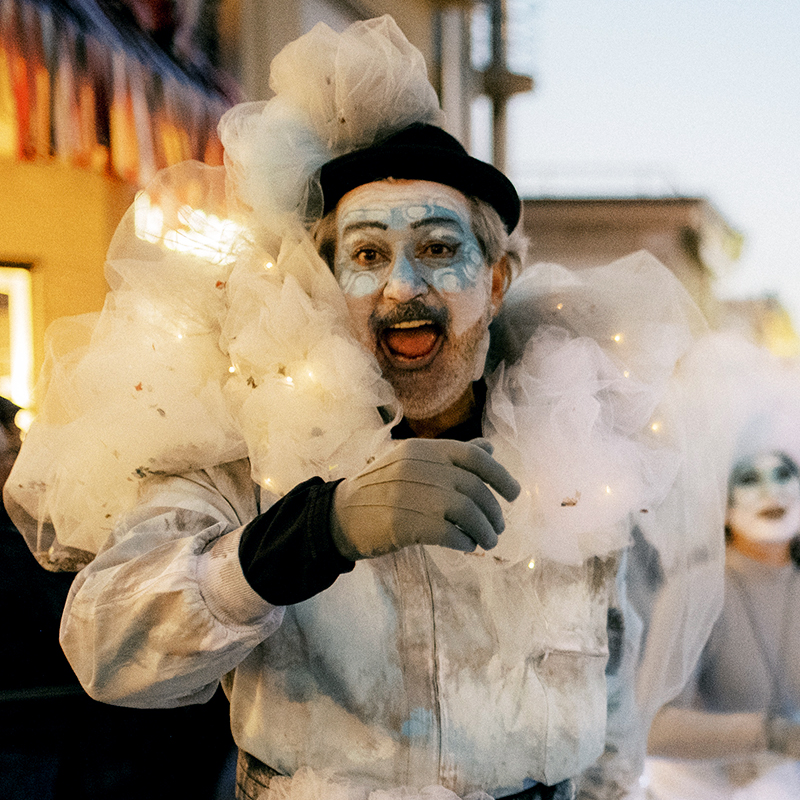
(626, 374)
(618, 337)
(268, 265)
(559, 306)
(655, 427)
(23, 419)
(231, 368)
(532, 563)
(608, 490)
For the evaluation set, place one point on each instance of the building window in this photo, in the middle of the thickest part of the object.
(16, 333)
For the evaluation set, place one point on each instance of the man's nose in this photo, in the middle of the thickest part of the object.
(772, 491)
(405, 283)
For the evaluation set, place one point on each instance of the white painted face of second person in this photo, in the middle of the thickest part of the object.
(418, 289)
(764, 504)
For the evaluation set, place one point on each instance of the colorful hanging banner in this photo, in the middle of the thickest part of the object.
(119, 106)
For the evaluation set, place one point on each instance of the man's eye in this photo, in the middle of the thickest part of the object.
(367, 257)
(438, 250)
(749, 478)
(783, 474)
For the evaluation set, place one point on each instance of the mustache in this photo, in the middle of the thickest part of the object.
(407, 312)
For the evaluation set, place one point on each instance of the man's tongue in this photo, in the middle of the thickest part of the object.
(411, 342)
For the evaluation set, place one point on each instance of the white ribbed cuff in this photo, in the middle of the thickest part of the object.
(229, 596)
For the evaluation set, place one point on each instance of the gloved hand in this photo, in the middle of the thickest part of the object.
(783, 735)
(425, 491)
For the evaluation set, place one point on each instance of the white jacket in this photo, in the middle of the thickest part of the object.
(398, 674)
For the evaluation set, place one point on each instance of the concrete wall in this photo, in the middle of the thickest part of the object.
(686, 234)
(254, 31)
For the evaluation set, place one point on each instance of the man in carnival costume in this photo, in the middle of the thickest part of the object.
(283, 458)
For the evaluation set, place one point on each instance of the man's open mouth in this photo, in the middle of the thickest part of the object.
(413, 343)
(774, 513)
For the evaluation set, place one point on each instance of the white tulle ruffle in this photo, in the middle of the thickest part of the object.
(225, 335)
(579, 410)
(197, 358)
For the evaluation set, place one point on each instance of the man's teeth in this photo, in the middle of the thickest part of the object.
(416, 323)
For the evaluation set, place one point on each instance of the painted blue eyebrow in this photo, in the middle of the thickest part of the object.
(361, 224)
(357, 226)
(436, 221)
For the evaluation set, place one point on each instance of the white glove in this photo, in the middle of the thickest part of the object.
(425, 491)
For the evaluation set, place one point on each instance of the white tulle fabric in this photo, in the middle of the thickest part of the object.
(334, 93)
(574, 416)
(224, 335)
(197, 358)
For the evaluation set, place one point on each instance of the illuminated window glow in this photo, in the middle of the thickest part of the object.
(206, 236)
(16, 335)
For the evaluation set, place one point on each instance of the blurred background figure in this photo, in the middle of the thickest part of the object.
(734, 732)
(58, 743)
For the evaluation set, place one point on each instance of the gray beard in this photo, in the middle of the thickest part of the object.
(424, 393)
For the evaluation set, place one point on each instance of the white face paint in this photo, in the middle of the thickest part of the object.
(413, 232)
(417, 287)
(442, 254)
(764, 501)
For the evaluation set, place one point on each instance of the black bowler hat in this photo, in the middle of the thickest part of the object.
(421, 152)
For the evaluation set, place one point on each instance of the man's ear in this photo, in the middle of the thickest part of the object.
(501, 278)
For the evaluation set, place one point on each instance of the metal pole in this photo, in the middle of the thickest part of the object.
(498, 98)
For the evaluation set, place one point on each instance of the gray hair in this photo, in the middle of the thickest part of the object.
(495, 242)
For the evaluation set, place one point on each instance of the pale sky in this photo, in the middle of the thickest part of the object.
(695, 97)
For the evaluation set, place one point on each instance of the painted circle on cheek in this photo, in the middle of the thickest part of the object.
(358, 284)
(473, 263)
(446, 280)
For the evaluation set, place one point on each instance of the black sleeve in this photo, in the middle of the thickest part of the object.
(287, 553)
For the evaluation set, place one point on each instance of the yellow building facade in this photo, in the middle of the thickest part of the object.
(56, 222)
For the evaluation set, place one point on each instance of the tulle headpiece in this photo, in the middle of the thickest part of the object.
(762, 407)
(334, 93)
